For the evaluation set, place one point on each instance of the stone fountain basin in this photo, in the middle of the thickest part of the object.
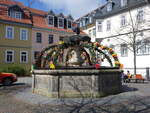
(76, 82)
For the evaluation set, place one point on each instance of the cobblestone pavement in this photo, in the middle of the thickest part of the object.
(19, 99)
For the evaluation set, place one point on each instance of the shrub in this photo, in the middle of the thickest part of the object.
(19, 71)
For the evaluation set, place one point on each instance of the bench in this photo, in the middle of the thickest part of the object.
(137, 78)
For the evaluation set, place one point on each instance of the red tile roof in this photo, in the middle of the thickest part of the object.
(4, 6)
(38, 20)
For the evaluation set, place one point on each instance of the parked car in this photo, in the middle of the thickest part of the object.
(7, 78)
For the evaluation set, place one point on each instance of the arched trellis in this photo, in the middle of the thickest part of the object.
(53, 52)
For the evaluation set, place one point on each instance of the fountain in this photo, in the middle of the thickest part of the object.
(74, 68)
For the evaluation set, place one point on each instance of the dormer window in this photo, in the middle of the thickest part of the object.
(123, 3)
(69, 25)
(16, 14)
(90, 19)
(109, 7)
(60, 22)
(51, 20)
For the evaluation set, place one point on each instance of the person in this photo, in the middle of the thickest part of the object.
(122, 75)
(128, 74)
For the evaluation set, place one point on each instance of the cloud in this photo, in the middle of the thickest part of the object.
(76, 8)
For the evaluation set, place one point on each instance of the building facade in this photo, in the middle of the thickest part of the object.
(15, 35)
(120, 24)
(124, 25)
(25, 31)
(48, 28)
(87, 24)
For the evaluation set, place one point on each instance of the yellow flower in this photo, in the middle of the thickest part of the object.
(61, 42)
(110, 50)
(117, 62)
(52, 66)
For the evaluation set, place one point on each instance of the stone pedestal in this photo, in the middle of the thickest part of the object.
(76, 82)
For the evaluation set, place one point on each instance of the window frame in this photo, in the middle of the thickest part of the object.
(99, 29)
(13, 54)
(26, 57)
(109, 7)
(37, 37)
(59, 22)
(124, 47)
(123, 21)
(108, 25)
(49, 38)
(14, 14)
(7, 32)
(140, 16)
(36, 54)
(21, 29)
(68, 24)
(123, 3)
(48, 20)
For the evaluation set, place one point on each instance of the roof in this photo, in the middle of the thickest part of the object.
(116, 8)
(37, 18)
(4, 7)
(40, 22)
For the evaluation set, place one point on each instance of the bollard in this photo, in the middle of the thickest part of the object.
(147, 74)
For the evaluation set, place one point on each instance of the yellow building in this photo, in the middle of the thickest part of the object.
(15, 35)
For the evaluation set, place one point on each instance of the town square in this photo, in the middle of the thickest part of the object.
(83, 56)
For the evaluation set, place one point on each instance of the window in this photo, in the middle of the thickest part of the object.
(23, 57)
(51, 20)
(39, 37)
(9, 56)
(61, 22)
(50, 39)
(9, 32)
(90, 33)
(123, 21)
(94, 32)
(69, 24)
(108, 25)
(124, 50)
(23, 34)
(36, 54)
(61, 38)
(99, 26)
(16, 14)
(109, 7)
(123, 3)
(143, 47)
(81, 24)
(86, 20)
(140, 16)
(90, 19)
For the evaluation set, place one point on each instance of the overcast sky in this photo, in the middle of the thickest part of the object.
(76, 8)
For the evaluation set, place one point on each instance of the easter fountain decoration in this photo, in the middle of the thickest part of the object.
(74, 68)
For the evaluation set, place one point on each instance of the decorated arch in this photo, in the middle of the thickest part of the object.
(77, 51)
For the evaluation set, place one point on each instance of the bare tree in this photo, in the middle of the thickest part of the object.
(130, 34)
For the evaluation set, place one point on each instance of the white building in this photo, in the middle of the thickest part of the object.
(121, 20)
(87, 24)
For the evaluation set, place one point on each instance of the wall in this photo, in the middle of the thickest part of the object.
(14, 44)
(77, 82)
(45, 34)
(111, 39)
